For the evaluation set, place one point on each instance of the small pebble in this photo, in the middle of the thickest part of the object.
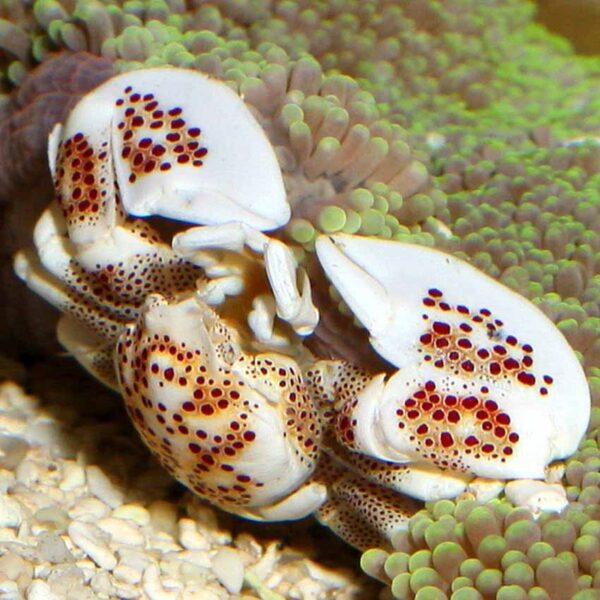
(73, 477)
(154, 587)
(102, 487)
(51, 547)
(133, 512)
(189, 536)
(40, 590)
(121, 532)
(89, 509)
(12, 566)
(10, 512)
(229, 569)
(89, 538)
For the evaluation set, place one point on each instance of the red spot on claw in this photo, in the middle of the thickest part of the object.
(441, 328)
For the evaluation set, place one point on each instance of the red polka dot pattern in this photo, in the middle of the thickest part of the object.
(197, 416)
(155, 138)
(83, 180)
(444, 427)
(474, 343)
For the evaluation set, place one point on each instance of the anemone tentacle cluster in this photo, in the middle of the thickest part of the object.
(490, 140)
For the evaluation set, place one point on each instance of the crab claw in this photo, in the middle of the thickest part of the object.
(487, 384)
(177, 144)
(239, 430)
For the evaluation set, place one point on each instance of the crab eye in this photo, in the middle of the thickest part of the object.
(229, 352)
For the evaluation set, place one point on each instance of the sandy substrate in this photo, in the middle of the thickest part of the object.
(86, 513)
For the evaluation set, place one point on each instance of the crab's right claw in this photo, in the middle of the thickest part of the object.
(486, 383)
(184, 146)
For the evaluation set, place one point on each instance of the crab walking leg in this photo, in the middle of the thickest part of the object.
(422, 481)
(362, 513)
(238, 429)
(486, 383)
(175, 143)
(84, 331)
(95, 354)
(30, 270)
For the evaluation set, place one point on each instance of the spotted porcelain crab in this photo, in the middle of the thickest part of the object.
(198, 320)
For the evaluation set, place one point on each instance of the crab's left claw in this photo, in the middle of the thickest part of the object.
(183, 146)
(483, 372)
(239, 429)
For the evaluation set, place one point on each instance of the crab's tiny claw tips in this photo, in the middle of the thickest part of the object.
(261, 321)
(293, 305)
(366, 296)
(215, 291)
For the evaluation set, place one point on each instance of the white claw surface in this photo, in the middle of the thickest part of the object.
(197, 155)
(486, 384)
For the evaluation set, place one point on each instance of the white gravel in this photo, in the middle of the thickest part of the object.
(70, 530)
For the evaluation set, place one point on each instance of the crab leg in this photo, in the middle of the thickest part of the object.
(362, 513)
(85, 332)
(486, 383)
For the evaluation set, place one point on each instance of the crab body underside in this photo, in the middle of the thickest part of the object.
(483, 386)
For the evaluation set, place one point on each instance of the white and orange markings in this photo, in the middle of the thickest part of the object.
(155, 137)
(239, 430)
(83, 179)
(475, 342)
(435, 421)
(200, 437)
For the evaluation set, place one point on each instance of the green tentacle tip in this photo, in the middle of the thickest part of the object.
(511, 592)
(353, 221)
(372, 562)
(538, 552)
(400, 586)
(396, 564)
(424, 577)
(520, 574)
(302, 231)
(442, 507)
(471, 568)
(332, 219)
(373, 221)
(466, 593)
(488, 582)
(538, 593)
(440, 531)
(491, 549)
(361, 199)
(430, 592)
